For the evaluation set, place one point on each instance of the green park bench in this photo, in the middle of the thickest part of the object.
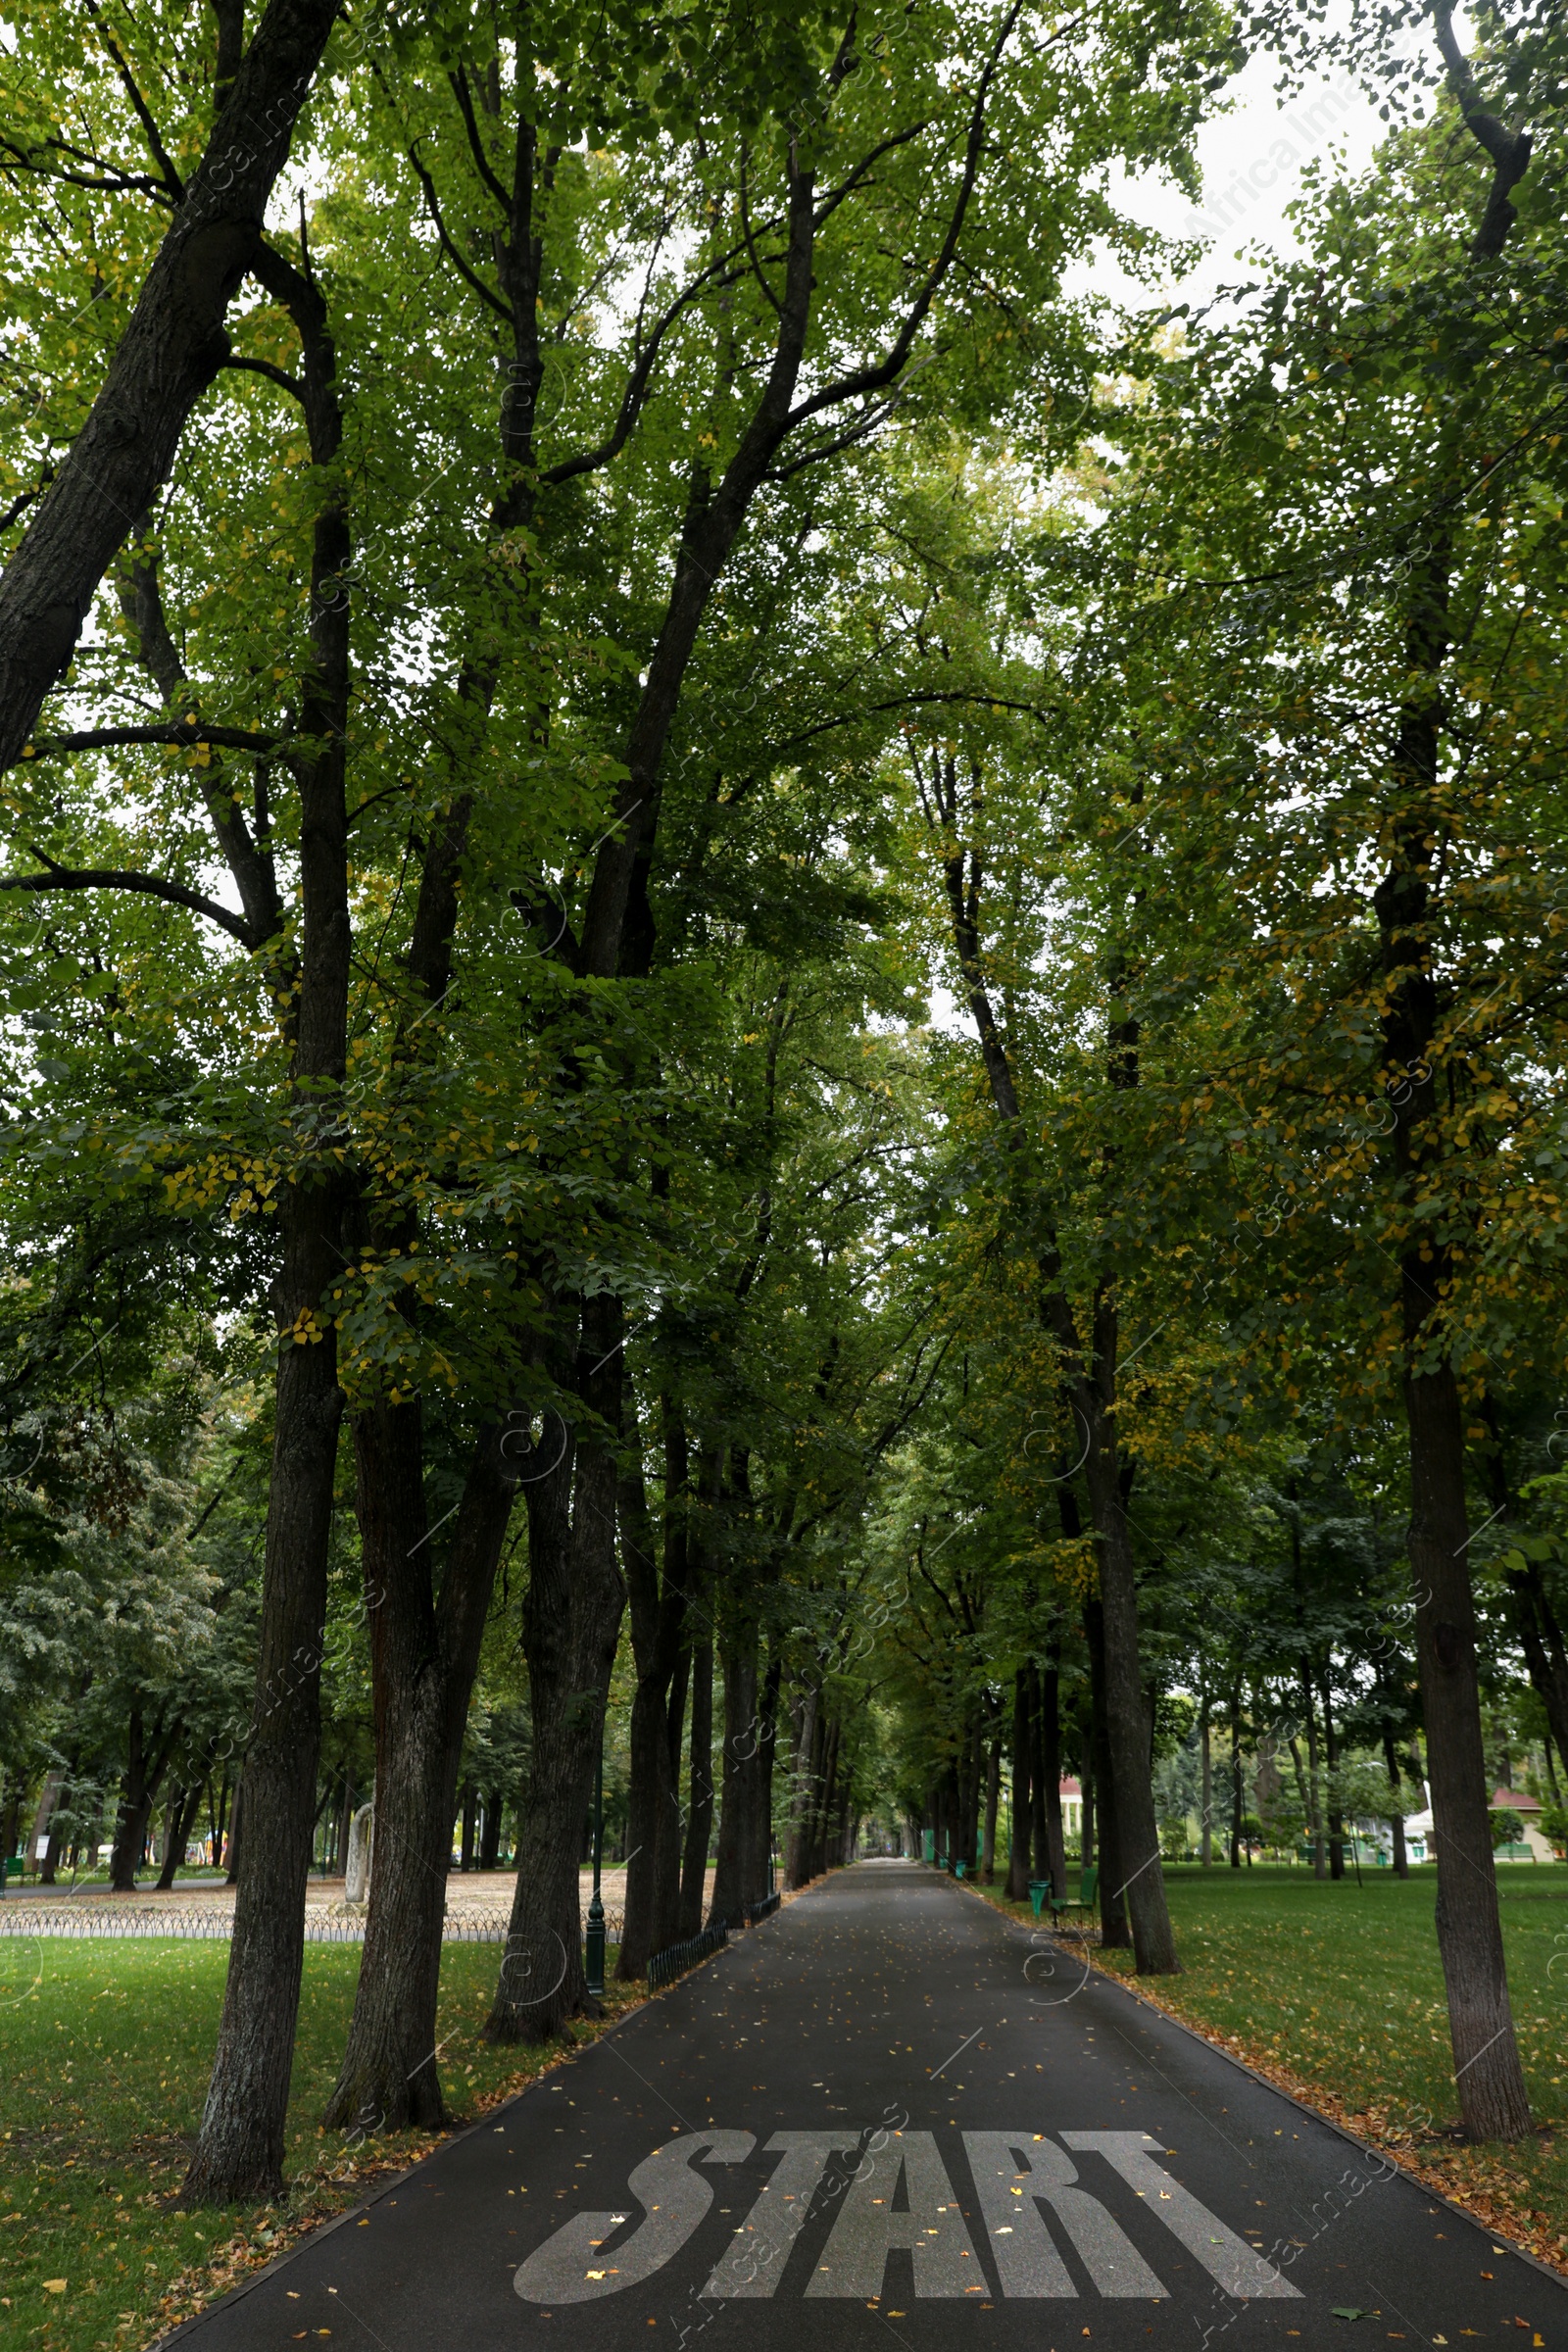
(1040, 1894)
(1085, 1899)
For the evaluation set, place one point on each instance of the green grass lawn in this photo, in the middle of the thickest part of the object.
(104, 2055)
(1338, 1988)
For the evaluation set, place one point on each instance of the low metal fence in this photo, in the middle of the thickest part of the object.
(665, 1967)
(217, 1925)
(763, 1910)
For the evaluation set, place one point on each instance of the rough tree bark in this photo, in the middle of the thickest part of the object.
(424, 1636)
(1401, 1858)
(1331, 1764)
(988, 1849)
(1022, 1779)
(240, 2153)
(570, 1624)
(146, 1759)
(1492, 2100)
(1113, 1929)
(1128, 1784)
(699, 1791)
(734, 1884)
(181, 1820)
(1050, 1686)
(658, 1610)
(808, 1764)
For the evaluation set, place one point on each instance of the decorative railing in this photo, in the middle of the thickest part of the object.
(665, 1967)
(763, 1910)
(338, 1925)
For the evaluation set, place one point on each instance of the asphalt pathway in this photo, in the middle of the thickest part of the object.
(890, 2113)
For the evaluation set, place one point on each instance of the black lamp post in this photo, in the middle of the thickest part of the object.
(594, 1941)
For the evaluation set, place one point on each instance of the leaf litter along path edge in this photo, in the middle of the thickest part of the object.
(1481, 2183)
(909, 2111)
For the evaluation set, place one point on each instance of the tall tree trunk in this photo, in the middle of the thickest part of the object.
(1541, 1637)
(424, 1653)
(700, 1791)
(1492, 2100)
(803, 1794)
(988, 1849)
(1114, 1932)
(1039, 1792)
(1314, 1783)
(490, 1841)
(733, 1887)
(136, 1804)
(239, 2152)
(1051, 1765)
(340, 1842)
(571, 1622)
(1492, 2091)
(469, 1802)
(1022, 1786)
(1401, 1858)
(1050, 1773)
(1331, 1759)
(1206, 1841)
(1130, 1780)
(827, 1796)
(679, 1692)
(180, 1821)
(217, 1816)
(63, 1793)
(658, 1610)
(763, 1803)
(1236, 1778)
(231, 1830)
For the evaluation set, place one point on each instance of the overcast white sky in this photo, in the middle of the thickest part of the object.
(1253, 158)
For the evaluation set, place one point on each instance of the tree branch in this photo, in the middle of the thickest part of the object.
(717, 275)
(185, 733)
(277, 375)
(874, 379)
(751, 247)
(121, 183)
(503, 309)
(152, 886)
(144, 113)
(28, 498)
(163, 364)
(1510, 150)
(471, 123)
